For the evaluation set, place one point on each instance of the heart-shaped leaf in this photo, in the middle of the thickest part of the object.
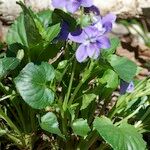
(17, 33)
(125, 68)
(87, 99)
(123, 137)
(52, 32)
(80, 127)
(50, 124)
(45, 17)
(32, 84)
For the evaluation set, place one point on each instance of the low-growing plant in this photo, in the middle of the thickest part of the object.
(57, 81)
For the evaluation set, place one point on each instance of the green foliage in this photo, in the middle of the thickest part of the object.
(123, 137)
(80, 127)
(33, 32)
(87, 99)
(33, 85)
(17, 33)
(47, 81)
(125, 68)
(114, 44)
(7, 64)
(45, 17)
(50, 123)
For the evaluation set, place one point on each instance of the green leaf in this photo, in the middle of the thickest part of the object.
(33, 26)
(87, 99)
(2, 132)
(52, 32)
(124, 137)
(62, 64)
(114, 44)
(17, 33)
(7, 64)
(45, 17)
(125, 68)
(50, 124)
(72, 110)
(33, 85)
(81, 127)
(59, 16)
(110, 78)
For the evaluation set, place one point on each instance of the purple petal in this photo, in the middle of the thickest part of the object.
(81, 53)
(103, 42)
(109, 18)
(72, 6)
(58, 4)
(77, 36)
(91, 32)
(108, 21)
(100, 27)
(93, 50)
(86, 3)
(126, 87)
(107, 26)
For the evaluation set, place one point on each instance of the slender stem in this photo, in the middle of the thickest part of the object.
(5, 97)
(10, 123)
(91, 138)
(129, 116)
(75, 92)
(64, 125)
(103, 146)
(18, 109)
(3, 89)
(142, 118)
(145, 37)
(16, 140)
(32, 119)
(82, 81)
(126, 98)
(69, 88)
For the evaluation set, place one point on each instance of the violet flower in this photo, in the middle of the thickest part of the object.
(104, 23)
(71, 5)
(126, 87)
(91, 41)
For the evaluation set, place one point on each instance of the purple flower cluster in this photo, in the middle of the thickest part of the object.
(91, 38)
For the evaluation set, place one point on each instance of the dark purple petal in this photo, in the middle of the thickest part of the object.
(77, 32)
(86, 3)
(63, 35)
(108, 21)
(77, 36)
(72, 5)
(81, 53)
(58, 4)
(126, 87)
(92, 9)
(92, 50)
(103, 42)
(107, 26)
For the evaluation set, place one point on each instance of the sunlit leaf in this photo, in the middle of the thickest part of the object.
(32, 84)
